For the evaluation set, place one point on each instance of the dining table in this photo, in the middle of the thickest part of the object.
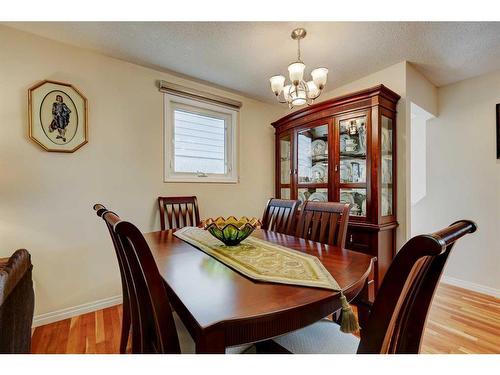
(221, 308)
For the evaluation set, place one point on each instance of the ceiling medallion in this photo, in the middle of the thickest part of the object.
(299, 92)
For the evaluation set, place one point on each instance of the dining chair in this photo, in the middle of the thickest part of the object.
(17, 302)
(397, 318)
(179, 212)
(280, 215)
(155, 327)
(126, 314)
(324, 222)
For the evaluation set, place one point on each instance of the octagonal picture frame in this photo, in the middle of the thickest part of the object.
(57, 116)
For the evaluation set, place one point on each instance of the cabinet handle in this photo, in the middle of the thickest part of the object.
(336, 168)
(350, 238)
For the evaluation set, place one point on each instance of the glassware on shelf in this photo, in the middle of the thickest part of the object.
(352, 170)
(312, 155)
(357, 199)
(353, 137)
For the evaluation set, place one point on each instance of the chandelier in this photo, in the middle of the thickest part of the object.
(299, 92)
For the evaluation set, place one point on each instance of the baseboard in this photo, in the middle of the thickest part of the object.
(55, 316)
(471, 286)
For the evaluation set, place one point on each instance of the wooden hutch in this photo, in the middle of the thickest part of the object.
(344, 149)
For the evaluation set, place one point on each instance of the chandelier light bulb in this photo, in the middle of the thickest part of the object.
(296, 71)
(319, 77)
(298, 96)
(277, 84)
(313, 90)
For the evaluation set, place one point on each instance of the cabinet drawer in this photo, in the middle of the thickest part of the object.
(357, 240)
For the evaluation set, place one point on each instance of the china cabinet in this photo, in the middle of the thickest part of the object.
(344, 150)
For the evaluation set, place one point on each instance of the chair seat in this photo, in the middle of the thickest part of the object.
(188, 346)
(323, 337)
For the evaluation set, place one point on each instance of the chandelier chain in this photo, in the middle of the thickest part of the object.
(298, 50)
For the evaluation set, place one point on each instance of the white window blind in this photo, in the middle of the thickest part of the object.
(199, 143)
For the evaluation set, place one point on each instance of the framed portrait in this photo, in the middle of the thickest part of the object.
(498, 131)
(57, 115)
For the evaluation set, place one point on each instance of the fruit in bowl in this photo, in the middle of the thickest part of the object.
(231, 231)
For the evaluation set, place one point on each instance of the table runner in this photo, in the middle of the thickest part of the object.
(265, 261)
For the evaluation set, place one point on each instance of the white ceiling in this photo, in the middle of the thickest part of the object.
(243, 55)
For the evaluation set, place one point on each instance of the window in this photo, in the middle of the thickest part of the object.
(200, 141)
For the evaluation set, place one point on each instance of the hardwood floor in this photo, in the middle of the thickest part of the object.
(460, 321)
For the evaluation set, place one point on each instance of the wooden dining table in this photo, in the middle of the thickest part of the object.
(221, 308)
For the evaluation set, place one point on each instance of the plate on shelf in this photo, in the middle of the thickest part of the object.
(318, 147)
(319, 173)
(346, 197)
(318, 197)
(302, 197)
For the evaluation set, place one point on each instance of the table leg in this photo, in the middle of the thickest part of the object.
(211, 343)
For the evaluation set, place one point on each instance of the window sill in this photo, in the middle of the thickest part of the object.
(210, 180)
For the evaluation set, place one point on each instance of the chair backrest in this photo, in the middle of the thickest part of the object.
(397, 319)
(280, 215)
(17, 302)
(324, 222)
(153, 327)
(101, 210)
(127, 305)
(178, 212)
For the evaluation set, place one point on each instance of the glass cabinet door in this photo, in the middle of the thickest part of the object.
(285, 166)
(386, 137)
(352, 166)
(312, 163)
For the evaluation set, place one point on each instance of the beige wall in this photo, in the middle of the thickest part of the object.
(463, 180)
(420, 91)
(46, 198)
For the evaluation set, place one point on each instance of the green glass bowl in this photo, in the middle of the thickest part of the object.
(231, 231)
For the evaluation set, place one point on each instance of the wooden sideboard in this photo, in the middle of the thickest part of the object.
(344, 149)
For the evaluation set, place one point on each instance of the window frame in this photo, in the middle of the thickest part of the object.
(231, 117)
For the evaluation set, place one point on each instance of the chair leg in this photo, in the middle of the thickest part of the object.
(336, 316)
(125, 330)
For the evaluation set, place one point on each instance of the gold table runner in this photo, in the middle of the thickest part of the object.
(262, 260)
(265, 261)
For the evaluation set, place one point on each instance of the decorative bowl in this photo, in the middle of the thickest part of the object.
(231, 231)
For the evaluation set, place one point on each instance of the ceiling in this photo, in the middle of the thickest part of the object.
(242, 56)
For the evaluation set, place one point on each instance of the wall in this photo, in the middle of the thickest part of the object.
(463, 180)
(46, 198)
(418, 158)
(420, 91)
